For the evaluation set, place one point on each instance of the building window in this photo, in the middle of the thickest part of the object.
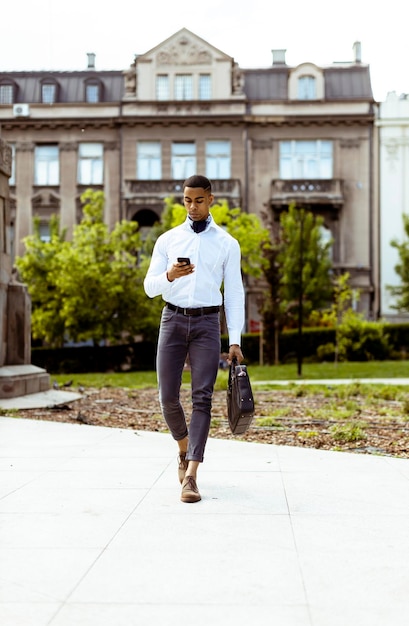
(162, 87)
(49, 93)
(183, 87)
(46, 165)
(183, 160)
(305, 159)
(205, 87)
(6, 94)
(218, 159)
(149, 163)
(90, 164)
(92, 93)
(12, 179)
(307, 88)
(44, 231)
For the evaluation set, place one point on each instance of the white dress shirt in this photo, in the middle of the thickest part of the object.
(216, 257)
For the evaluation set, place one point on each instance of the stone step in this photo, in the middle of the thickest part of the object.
(21, 380)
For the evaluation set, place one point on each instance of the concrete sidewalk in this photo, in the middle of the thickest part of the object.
(92, 533)
(335, 381)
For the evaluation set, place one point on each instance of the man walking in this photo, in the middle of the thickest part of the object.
(188, 267)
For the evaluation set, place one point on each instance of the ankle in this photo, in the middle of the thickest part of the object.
(183, 446)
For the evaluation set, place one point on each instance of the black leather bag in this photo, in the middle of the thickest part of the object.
(240, 401)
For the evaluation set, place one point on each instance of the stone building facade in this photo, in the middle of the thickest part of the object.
(265, 137)
(393, 128)
(17, 376)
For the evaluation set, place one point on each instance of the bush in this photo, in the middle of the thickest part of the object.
(358, 340)
(133, 357)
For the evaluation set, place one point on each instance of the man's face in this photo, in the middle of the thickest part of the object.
(197, 202)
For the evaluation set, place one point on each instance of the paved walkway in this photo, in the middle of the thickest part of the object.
(92, 533)
(335, 381)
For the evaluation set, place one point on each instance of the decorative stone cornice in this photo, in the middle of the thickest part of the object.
(111, 145)
(25, 146)
(350, 143)
(262, 144)
(393, 143)
(46, 198)
(68, 146)
(183, 52)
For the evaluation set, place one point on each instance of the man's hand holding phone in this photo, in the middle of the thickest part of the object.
(183, 267)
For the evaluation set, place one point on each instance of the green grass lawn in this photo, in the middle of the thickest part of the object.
(270, 373)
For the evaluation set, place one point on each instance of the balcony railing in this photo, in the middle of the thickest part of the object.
(307, 192)
(140, 189)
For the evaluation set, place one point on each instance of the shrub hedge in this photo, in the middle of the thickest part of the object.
(141, 356)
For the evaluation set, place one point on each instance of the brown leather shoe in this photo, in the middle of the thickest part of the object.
(183, 463)
(190, 492)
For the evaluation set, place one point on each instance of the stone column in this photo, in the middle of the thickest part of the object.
(111, 183)
(18, 325)
(25, 181)
(68, 185)
(5, 260)
(15, 306)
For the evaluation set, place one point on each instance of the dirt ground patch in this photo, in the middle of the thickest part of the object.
(293, 417)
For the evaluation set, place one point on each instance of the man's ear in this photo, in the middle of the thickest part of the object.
(211, 198)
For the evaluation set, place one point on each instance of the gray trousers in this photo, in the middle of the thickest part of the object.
(199, 338)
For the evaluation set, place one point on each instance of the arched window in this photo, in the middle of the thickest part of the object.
(146, 218)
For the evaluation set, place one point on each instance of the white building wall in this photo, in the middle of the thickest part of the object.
(393, 191)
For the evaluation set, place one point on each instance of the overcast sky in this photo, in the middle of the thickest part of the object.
(49, 34)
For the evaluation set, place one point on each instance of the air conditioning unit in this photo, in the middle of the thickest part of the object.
(21, 110)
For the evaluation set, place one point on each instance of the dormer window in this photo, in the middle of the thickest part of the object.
(307, 89)
(48, 94)
(49, 91)
(7, 93)
(306, 82)
(93, 90)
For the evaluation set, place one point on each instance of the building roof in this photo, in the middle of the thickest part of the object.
(71, 85)
(348, 83)
(266, 84)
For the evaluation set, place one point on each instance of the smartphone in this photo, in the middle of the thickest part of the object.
(184, 259)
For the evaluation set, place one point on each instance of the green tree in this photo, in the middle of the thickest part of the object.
(253, 238)
(339, 314)
(90, 287)
(401, 292)
(298, 273)
(37, 268)
(305, 264)
(356, 339)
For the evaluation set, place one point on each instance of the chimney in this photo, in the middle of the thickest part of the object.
(279, 56)
(91, 60)
(357, 52)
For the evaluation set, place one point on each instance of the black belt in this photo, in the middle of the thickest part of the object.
(204, 310)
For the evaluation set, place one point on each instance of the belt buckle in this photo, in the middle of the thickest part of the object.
(185, 312)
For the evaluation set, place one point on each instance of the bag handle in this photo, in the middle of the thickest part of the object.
(231, 370)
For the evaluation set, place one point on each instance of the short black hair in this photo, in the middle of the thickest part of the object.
(198, 181)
